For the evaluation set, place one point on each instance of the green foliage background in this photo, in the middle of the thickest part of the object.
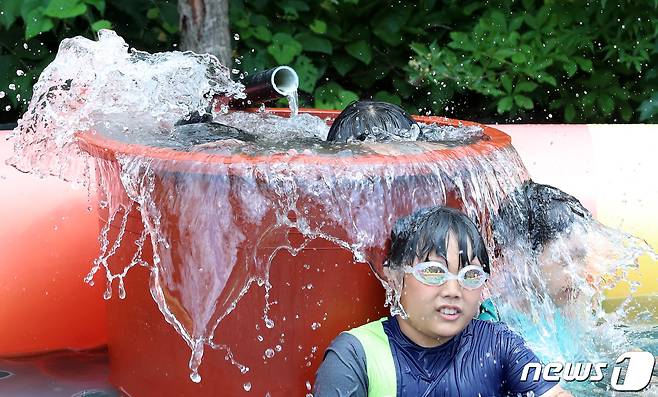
(505, 61)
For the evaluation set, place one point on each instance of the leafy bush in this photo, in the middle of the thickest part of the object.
(342, 49)
(589, 63)
(506, 60)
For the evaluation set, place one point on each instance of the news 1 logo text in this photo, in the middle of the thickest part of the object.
(637, 377)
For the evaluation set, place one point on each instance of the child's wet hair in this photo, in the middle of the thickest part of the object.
(360, 118)
(426, 231)
(539, 212)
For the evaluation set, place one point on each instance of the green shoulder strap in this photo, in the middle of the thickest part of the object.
(382, 380)
(488, 312)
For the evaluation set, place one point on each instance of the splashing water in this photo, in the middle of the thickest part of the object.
(278, 130)
(559, 311)
(103, 86)
(212, 217)
(293, 101)
(188, 209)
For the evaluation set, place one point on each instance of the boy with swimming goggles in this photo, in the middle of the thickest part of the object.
(432, 346)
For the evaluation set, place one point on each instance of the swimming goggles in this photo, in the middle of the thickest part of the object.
(436, 273)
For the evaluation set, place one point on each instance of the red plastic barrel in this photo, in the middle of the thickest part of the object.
(315, 295)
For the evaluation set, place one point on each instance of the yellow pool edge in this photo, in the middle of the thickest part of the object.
(626, 163)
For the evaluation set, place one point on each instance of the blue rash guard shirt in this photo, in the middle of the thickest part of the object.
(486, 359)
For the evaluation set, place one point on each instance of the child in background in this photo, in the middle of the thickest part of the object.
(373, 121)
(551, 226)
(550, 244)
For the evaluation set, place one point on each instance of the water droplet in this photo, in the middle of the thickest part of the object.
(277, 348)
(122, 289)
(20, 73)
(2, 94)
(237, 61)
(269, 323)
(236, 36)
(309, 286)
(260, 338)
(315, 326)
(247, 386)
(196, 378)
(235, 71)
(12, 86)
(269, 353)
(308, 385)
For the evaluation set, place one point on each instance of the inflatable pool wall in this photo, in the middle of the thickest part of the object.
(48, 240)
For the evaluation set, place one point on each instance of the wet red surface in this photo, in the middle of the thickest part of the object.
(57, 374)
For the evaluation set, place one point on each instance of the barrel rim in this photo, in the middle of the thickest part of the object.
(100, 146)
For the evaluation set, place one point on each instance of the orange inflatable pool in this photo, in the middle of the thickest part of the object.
(48, 240)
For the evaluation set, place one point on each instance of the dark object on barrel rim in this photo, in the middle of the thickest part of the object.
(361, 118)
(207, 132)
(194, 118)
(267, 85)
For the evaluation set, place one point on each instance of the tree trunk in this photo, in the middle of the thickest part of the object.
(205, 28)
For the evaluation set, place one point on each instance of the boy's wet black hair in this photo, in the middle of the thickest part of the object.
(426, 231)
(360, 118)
(538, 212)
